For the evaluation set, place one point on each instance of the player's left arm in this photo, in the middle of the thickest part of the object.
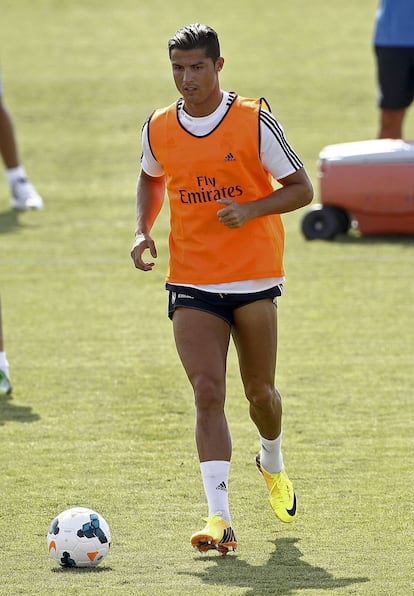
(295, 192)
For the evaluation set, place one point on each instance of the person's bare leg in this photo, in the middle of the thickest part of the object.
(255, 337)
(202, 342)
(391, 123)
(8, 144)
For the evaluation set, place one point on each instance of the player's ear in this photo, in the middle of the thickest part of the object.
(219, 64)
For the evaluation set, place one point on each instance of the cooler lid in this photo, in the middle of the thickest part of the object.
(371, 151)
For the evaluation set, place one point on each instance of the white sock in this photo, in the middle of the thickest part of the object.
(4, 365)
(271, 457)
(13, 174)
(215, 476)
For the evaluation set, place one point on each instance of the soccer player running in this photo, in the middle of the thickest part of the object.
(215, 153)
(23, 197)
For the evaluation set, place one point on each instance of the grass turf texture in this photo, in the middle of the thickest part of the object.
(102, 414)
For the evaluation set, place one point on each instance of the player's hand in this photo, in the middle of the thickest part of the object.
(143, 242)
(233, 215)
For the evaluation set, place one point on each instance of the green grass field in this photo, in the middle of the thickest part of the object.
(102, 414)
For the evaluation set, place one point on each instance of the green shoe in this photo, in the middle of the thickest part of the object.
(5, 385)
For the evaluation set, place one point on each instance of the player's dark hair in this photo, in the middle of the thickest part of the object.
(192, 37)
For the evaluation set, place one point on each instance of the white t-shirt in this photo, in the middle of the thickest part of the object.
(277, 157)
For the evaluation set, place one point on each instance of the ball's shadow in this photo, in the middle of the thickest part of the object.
(78, 570)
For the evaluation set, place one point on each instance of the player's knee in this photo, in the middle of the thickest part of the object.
(209, 394)
(261, 395)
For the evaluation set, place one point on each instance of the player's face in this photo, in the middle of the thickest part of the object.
(196, 78)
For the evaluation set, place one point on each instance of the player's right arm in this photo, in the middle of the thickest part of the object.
(150, 197)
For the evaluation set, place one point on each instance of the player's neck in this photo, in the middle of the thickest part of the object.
(205, 108)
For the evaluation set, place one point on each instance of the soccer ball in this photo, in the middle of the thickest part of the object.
(79, 537)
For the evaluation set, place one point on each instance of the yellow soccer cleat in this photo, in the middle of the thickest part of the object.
(281, 494)
(217, 535)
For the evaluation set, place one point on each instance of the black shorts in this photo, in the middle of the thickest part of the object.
(221, 305)
(395, 72)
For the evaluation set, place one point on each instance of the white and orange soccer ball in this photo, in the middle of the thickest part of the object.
(79, 537)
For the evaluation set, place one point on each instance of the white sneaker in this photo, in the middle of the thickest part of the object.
(24, 196)
(5, 385)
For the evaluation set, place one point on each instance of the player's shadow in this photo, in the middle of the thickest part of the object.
(9, 221)
(284, 574)
(10, 412)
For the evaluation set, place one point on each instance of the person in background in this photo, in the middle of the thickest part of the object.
(394, 52)
(23, 195)
(216, 154)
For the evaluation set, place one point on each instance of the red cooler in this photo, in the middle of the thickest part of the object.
(370, 183)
